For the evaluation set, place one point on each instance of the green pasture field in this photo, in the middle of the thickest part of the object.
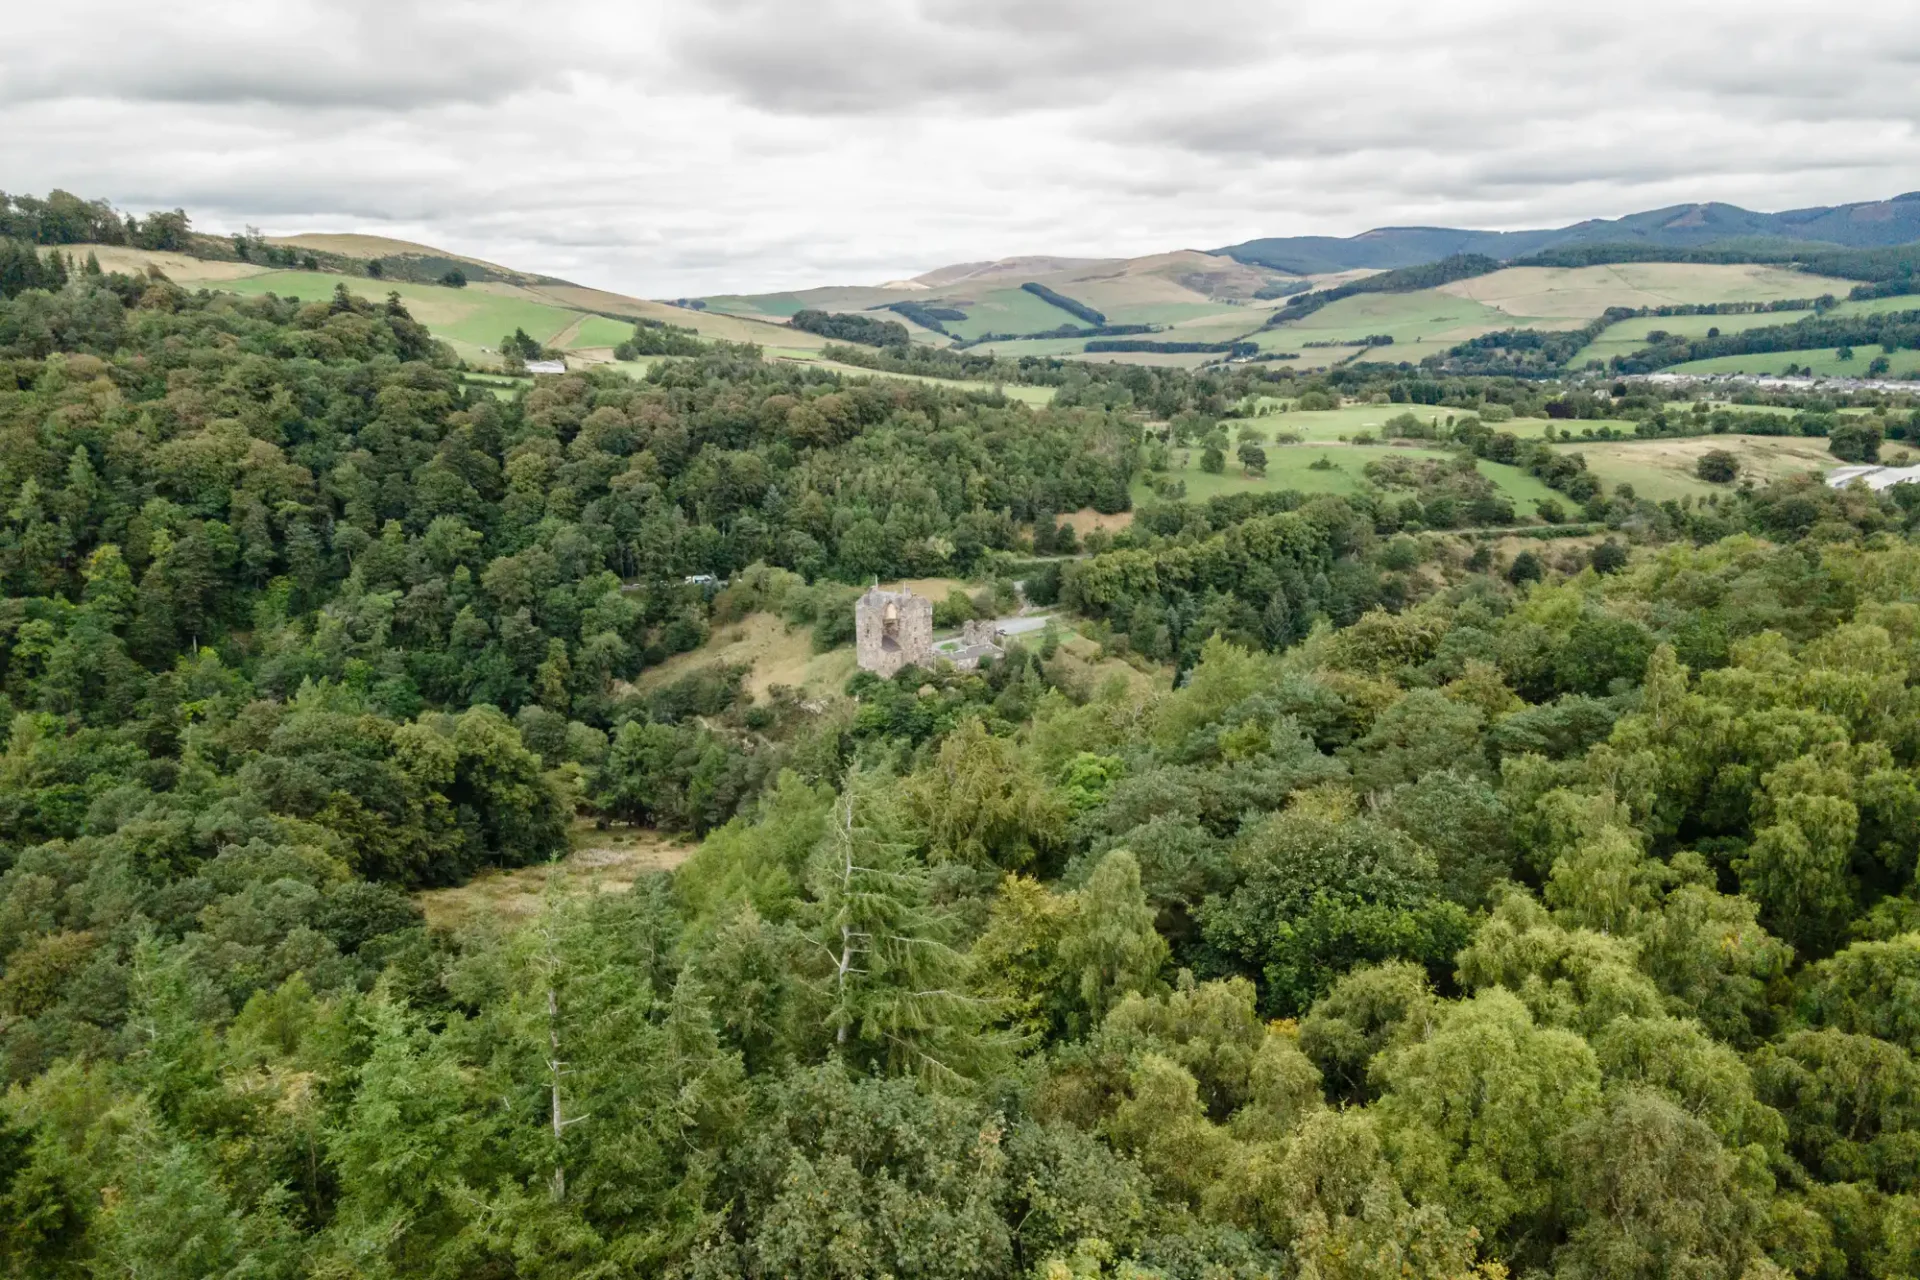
(1075, 349)
(1824, 361)
(1628, 336)
(778, 308)
(1429, 321)
(1008, 311)
(1179, 316)
(1155, 359)
(1404, 351)
(1033, 347)
(635, 368)
(473, 319)
(1037, 396)
(1291, 467)
(1879, 306)
(780, 305)
(1349, 420)
(1219, 325)
(503, 386)
(1287, 338)
(599, 331)
(918, 333)
(1313, 358)
(1424, 314)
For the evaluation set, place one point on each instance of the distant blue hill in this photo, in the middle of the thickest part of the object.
(1869, 224)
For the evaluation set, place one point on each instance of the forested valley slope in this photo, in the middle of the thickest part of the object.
(1381, 902)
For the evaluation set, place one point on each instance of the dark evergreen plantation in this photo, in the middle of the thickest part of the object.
(1443, 922)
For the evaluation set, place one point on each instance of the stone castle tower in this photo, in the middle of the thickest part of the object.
(891, 630)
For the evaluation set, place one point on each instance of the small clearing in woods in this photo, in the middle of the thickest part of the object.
(601, 862)
(935, 589)
(1086, 520)
(773, 653)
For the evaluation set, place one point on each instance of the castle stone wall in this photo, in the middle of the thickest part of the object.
(891, 630)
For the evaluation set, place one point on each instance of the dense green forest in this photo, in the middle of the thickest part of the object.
(1460, 913)
(1065, 303)
(852, 328)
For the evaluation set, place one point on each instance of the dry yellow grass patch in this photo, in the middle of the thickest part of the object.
(1585, 292)
(178, 267)
(1774, 456)
(1506, 548)
(1086, 520)
(1081, 658)
(931, 588)
(601, 862)
(1183, 276)
(773, 654)
(353, 245)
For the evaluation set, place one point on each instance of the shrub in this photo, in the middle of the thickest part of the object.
(1855, 440)
(1717, 467)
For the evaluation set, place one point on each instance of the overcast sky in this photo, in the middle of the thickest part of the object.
(713, 145)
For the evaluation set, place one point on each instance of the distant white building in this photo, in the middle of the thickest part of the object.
(1875, 478)
(546, 366)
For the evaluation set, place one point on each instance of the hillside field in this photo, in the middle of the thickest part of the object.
(1663, 469)
(1325, 425)
(474, 319)
(1292, 467)
(1628, 336)
(1428, 321)
(1582, 293)
(1029, 395)
(1010, 311)
(1823, 361)
(1204, 298)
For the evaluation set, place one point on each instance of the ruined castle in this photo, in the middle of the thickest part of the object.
(891, 630)
(894, 629)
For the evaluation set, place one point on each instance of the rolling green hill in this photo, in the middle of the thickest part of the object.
(587, 323)
(1210, 300)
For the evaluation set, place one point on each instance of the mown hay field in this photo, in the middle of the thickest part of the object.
(1582, 293)
(1663, 469)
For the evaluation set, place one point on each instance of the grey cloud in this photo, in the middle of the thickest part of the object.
(847, 58)
(358, 55)
(713, 145)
